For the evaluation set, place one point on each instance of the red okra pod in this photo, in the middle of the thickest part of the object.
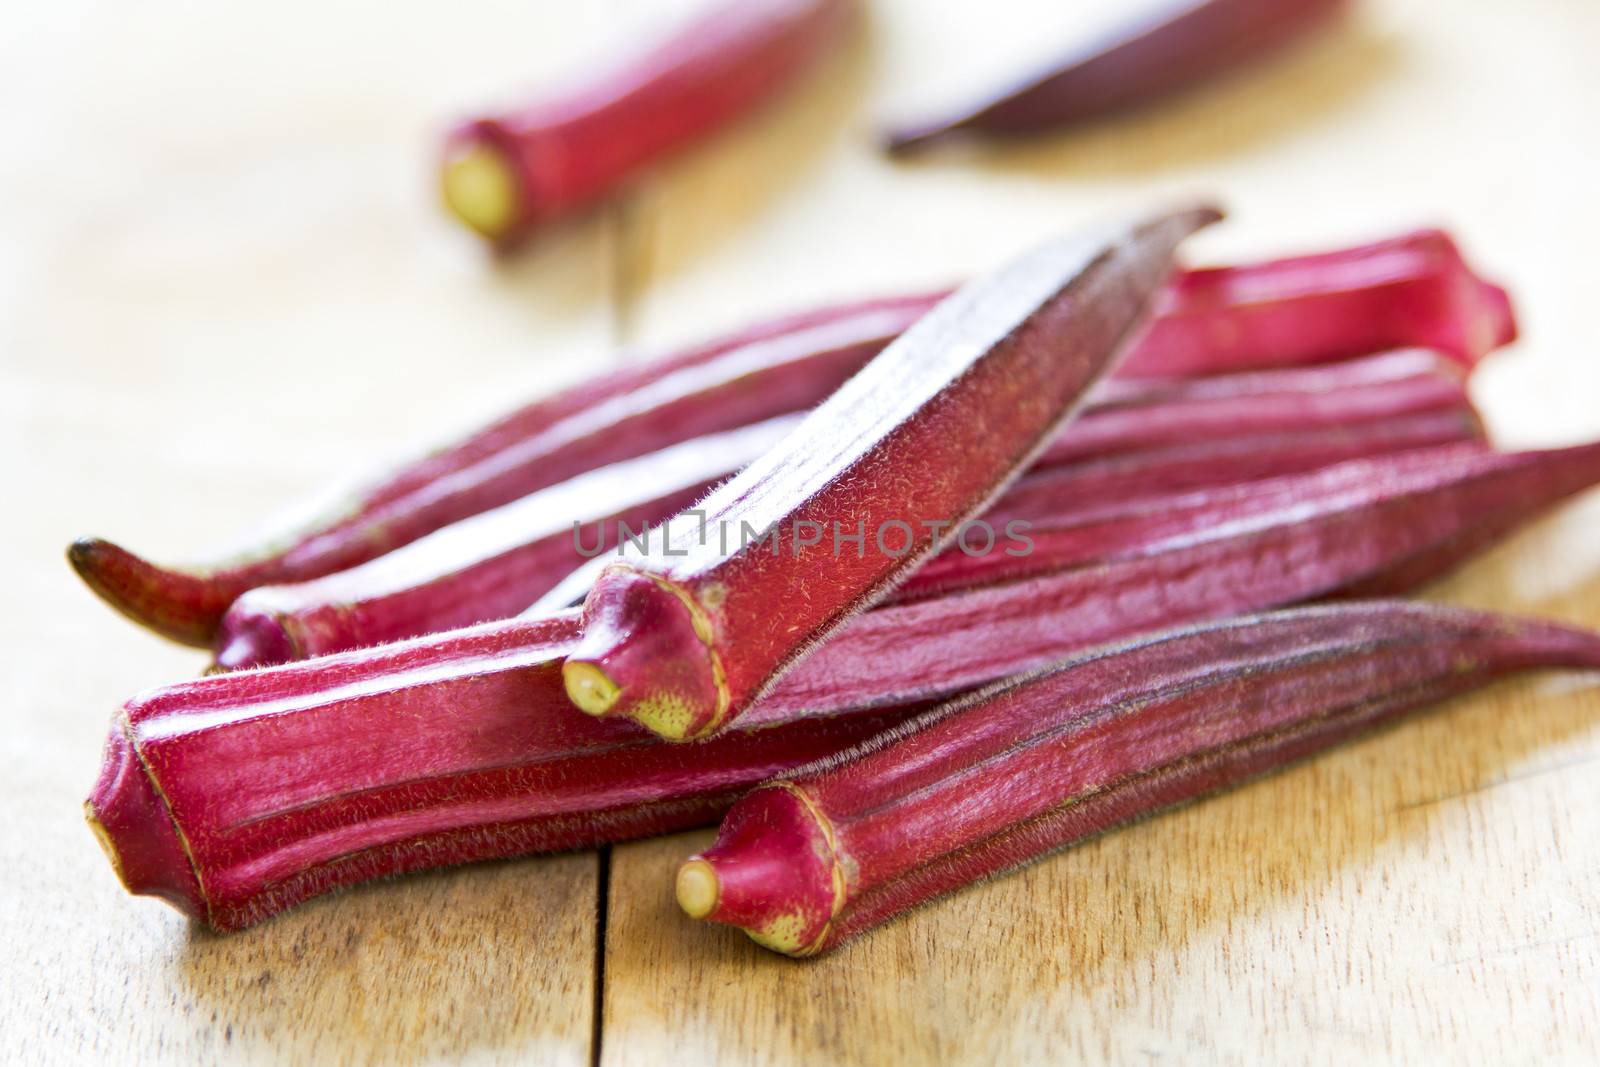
(1141, 483)
(1004, 776)
(1247, 548)
(508, 176)
(1178, 44)
(493, 565)
(930, 431)
(1381, 508)
(1223, 384)
(1408, 291)
(237, 795)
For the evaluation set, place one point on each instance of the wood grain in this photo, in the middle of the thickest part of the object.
(223, 280)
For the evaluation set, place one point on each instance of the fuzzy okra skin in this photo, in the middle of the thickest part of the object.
(1180, 43)
(1360, 392)
(1409, 290)
(930, 431)
(1006, 775)
(237, 795)
(507, 176)
(1387, 523)
(1359, 514)
(493, 565)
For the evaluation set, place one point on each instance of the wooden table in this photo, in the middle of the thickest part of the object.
(223, 280)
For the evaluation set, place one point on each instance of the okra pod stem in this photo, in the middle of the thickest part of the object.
(1412, 290)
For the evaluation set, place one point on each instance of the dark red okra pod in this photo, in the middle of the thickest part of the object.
(507, 176)
(1092, 526)
(1178, 44)
(1411, 290)
(1360, 513)
(930, 431)
(993, 781)
(492, 565)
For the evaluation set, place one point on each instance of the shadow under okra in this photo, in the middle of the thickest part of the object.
(445, 964)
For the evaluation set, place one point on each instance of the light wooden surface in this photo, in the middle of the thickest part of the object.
(223, 280)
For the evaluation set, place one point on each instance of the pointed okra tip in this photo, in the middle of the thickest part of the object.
(176, 604)
(91, 556)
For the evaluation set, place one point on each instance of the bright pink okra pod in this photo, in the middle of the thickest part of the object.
(235, 796)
